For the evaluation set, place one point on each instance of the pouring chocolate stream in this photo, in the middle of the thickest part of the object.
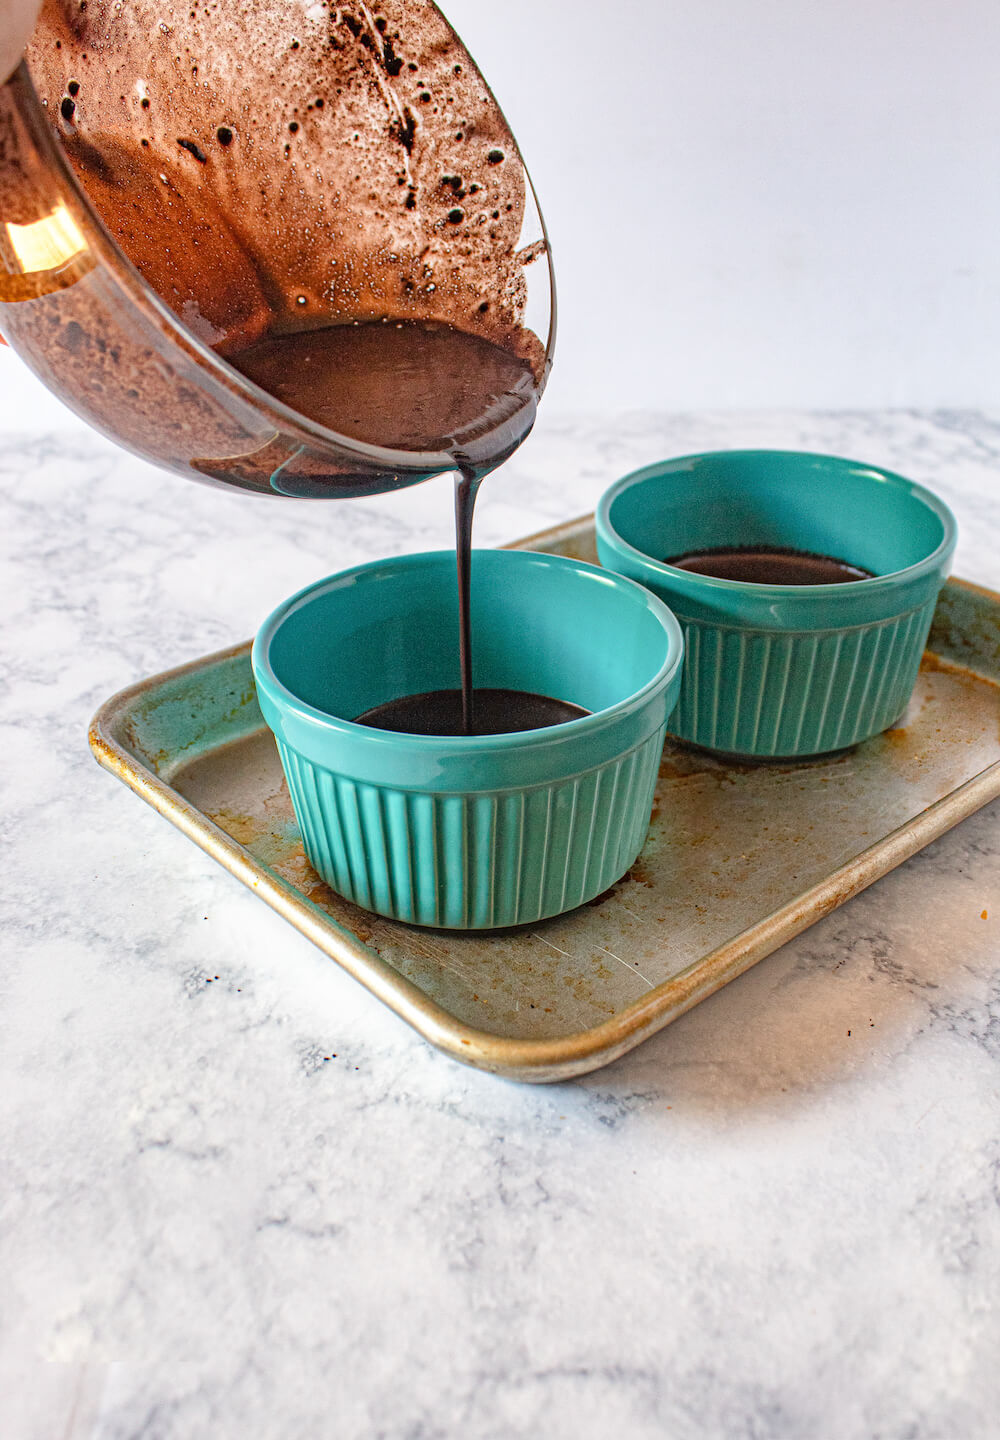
(319, 199)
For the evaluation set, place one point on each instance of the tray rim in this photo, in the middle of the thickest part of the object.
(537, 1060)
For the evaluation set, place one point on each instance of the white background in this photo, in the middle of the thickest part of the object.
(753, 203)
(761, 202)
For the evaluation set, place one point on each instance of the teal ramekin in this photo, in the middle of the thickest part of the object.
(785, 671)
(470, 832)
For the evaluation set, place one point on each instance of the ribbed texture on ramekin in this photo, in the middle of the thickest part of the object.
(479, 861)
(784, 693)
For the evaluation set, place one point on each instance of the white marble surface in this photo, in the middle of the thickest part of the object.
(779, 1218)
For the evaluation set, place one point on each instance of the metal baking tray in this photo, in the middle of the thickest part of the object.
(739, 858)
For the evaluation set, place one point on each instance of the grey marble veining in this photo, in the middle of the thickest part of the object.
(239, 1199)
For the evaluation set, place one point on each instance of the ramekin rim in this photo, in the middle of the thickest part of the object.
(873, 584)
(471, 745)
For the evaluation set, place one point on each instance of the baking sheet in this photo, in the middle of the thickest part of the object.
(739, 858)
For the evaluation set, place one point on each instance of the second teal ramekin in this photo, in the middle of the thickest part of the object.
(785, 671)
(482, 831)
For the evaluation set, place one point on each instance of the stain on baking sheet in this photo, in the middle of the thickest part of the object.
(728, 845)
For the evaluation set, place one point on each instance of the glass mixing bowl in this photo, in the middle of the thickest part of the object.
(178, 182)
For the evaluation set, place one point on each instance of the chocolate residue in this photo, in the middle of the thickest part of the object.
(270, 235)
(335, 220)
(405, 130)
(195, 150)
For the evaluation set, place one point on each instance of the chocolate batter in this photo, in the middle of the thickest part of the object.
(773, 565)
(498, 712)
(401, 385)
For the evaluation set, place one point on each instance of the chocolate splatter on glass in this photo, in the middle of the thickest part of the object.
(297, 253)
(270, 178)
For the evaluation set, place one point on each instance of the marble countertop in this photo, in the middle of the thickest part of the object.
(778, 1218)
